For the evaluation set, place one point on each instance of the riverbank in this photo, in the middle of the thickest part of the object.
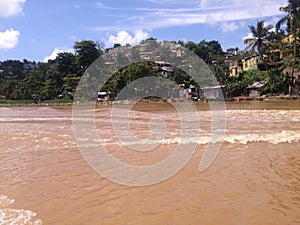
(265, 98)
(7, 102)
(60, 102)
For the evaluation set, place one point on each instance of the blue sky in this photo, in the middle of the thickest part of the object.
(38, 30)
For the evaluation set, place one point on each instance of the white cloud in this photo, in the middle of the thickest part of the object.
(234, 10)
(11, 7)
(204, 3)
(98, 4)
(123, 37)
(54, 53)
(9, 39)
(226, 13)
(260, 5)
(231, 26)
(248, 36)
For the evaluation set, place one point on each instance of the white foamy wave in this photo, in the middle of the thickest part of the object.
(4, 201)
(273, 138)
(10, 216)
(263, 115)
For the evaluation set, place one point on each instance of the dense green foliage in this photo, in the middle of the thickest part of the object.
(276, 82)
(59, 78)
(46, 81)
(292, 20)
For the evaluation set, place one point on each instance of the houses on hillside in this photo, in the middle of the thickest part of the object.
(273, 58)
(267, 61)
(145, 51)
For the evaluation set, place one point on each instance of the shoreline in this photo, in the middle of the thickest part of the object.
(240, 99)
(266, 98)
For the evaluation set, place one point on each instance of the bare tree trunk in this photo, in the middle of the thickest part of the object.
(294, 55)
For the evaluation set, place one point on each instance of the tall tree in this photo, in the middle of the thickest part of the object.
(86, 53)
(65, 63)
(259, 41)
(215, 47)
(292, 20)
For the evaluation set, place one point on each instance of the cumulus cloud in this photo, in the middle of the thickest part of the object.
(231, 26)
(9, 39)
(123, 38)
(11, 7)
(55, 52)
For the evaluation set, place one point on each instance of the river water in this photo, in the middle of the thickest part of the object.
(255, 178)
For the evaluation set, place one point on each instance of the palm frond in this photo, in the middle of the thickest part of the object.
(282, 21)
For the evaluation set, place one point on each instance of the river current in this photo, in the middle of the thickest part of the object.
(255, 178)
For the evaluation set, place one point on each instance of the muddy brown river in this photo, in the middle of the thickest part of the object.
(254, 180)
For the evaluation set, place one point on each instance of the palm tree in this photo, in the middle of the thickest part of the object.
(292, 20)
(259, 42)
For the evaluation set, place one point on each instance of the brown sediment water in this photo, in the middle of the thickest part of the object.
(255, 178)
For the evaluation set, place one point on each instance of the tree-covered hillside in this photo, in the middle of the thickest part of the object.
(275, 53)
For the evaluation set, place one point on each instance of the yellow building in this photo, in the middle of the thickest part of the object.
(289, 39)
(270, 59)
(234, 67)
(250, 62)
